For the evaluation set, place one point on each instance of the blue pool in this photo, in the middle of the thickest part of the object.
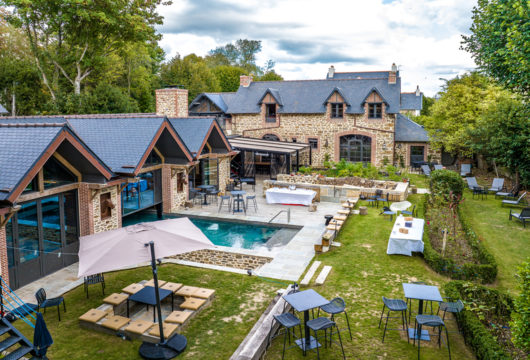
(227, 233)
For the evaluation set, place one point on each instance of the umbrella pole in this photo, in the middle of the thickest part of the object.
(157, 295)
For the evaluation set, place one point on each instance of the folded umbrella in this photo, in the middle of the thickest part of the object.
(42, 338)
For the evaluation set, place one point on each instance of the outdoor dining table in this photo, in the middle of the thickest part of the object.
(147, 296)
(421, 293)
(405, 244)
(238, 194)
(400, 206)
(205, 189)
(305, 301)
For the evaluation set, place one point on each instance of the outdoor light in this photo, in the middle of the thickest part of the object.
(326, 144)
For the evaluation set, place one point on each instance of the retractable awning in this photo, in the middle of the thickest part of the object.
(251, 144)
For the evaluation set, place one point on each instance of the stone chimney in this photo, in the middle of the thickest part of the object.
(392, 76)
(245, 80)
(331, 72)
(172, 102)
(418, 93)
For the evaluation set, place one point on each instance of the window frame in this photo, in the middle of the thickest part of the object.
(337, 110)
(313, 143)
(372, 110)
(268, 117)
(105, 211)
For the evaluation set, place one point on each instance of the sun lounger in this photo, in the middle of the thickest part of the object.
(497, 185)
(465, 169)
(514, 202)
(426, 170)
(523, 216)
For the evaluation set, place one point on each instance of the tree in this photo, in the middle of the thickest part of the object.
(500, 42)
(241, 54)
(462, 102)
(270, 76)
(502, 135)
(72, 38)
(103, 99)
(228, 77)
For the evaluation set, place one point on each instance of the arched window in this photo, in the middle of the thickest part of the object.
(356, 148)
(271, 137)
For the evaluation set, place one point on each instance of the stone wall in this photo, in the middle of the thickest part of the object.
(179, 198)
(224, 172)
(322, 127)
(228, 259)
(172, 102)
(112, 222)
(403, 149)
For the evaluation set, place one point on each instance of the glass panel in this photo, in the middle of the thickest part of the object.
(28, 232)
(55, 174)
(10, 244)
(153, 159)
(51, 223)
(356, 148)
(129, 198)
(70, 217)
(146, 188)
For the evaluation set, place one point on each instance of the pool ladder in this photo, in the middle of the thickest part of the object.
(288, 211)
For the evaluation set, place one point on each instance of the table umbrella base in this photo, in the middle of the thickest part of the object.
(170, 349)
(313, 343)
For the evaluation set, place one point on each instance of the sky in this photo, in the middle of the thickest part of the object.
(305, 37)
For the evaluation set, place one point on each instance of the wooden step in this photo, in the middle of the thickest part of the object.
(340, 217)
(347, 205)
(310, 273)
(333, 227)
(336, 244)
(343, 212)
(323, 275)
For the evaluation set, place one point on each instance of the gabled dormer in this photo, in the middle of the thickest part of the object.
(336, 104)
(374, 104)
(270, 103)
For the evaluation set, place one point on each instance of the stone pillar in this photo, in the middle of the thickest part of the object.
(224, 172)
(86, 211)
(112, 222)
(172, 102)
(4, 269)
(167, 189)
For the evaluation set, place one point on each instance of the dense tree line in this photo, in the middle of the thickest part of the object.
(68, 57)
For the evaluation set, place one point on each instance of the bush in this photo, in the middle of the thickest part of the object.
(476, 335)
(521, 317)
(445, 181)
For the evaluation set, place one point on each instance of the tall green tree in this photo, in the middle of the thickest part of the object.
(228, 77)
(242, 54)
(71, 38)
(500, 42)
(270, 76)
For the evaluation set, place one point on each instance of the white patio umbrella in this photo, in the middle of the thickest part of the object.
(135, 244)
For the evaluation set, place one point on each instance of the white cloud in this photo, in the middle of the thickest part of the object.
(304, 37)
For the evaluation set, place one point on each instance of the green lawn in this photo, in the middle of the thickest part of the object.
(215, 333)
(362, 273)
(507, 240)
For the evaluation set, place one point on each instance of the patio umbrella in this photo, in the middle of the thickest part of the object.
(135, 244)
(42, 339)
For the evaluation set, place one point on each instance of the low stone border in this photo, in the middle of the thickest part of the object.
(226, 259)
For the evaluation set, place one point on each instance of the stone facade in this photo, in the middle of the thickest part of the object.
(402, 152)
(224, 172)
(178, 198)
(222, 258)
(172, 102)
(112, 222)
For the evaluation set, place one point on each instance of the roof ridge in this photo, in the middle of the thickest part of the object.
(26, 125)
(302, 80)
(350, 72)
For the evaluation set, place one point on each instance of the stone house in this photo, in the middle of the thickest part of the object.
(356, 116)
(62, 177)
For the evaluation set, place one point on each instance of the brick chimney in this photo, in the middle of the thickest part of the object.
(418, 93)
(392, 76)
(172, 102)
(331, 72)
(245, 80)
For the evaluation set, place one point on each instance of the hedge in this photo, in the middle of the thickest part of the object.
(476, 335)
(485, 271)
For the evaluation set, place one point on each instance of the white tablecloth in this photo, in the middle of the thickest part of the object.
(405, 244)
(286, 196)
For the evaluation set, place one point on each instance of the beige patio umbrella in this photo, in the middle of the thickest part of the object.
(125, 247)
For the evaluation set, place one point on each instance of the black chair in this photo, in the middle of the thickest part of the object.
(433, 321)
(288, 322)
(453, 307)
(213, 195)
(410, 213)
(336, 306)
(92, 280)
(43, 302)
(396, 305)
(384, 199)
(523, 216)
(196, 196)
(254, 202)
(227, 201)
(386, 211)
(323, 323)
(378, 197)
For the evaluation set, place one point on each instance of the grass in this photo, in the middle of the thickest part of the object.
(506, 240)
(362, 273)
(218, 329)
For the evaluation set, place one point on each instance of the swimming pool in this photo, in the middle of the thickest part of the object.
(234, 234)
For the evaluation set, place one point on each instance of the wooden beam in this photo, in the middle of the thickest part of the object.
(5, 219)
(40, 178)
(159, 154)
(94, 194)
(150, 168)
(209, 147)
(69, 166)
(48, 192)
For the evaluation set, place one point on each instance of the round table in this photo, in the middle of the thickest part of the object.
(204, 190)
(400, 206)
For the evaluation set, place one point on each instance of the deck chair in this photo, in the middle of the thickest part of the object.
(438, 167)
(523, 216)
(514, 202)
(472, 183)
(497, 185)
(426, 170)
(465, 169)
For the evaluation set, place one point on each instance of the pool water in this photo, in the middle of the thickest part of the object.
(222, 233)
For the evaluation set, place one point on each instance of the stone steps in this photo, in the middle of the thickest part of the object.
(310, 273)
(323, 275)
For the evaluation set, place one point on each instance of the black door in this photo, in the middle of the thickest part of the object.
(417, 154)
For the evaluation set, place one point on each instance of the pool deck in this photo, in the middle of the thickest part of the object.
(289, 260)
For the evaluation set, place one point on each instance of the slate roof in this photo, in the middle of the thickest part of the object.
(221, 100)
(409, 101)
(409, 131)
(2, 110)
(309, 96)
(360, 74)
(192, 130)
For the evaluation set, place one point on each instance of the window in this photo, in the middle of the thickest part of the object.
(270, 137)
(337, 110)
(313, 143)
(180, 182)
(375, 111)
(293, 139)
(356, 148)
(270, 112)
(105, 205)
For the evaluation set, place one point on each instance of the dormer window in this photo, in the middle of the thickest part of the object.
(337, 110)
(270, 113)
(375, 110)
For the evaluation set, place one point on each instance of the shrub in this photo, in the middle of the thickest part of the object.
(445, 181)
(521, 317)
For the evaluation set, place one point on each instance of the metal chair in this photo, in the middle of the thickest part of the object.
(382, 199)
(336, 306)
(213, 195)
(254, 202)
(427, 302)
(94, 279)
(523, 216)
(228, 200)
(453, 307)
(411, 213)
(241, 203)
(433, 321)
(196, 196)
(323, 323)
(43, 302)
(386, 211)
(288, 322)
(396, 305)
